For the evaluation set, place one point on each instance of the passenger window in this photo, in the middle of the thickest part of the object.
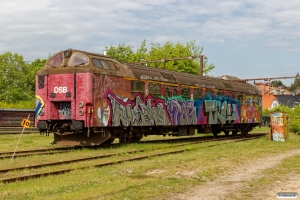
(197, 93)
(97, 63)
(104, 64)
(240, 98)
(170, 91)
(111, 65)
(209, 92)
(137, 86)
(185, 92)
(155, 90)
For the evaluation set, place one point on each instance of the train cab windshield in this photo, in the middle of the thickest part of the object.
(56, 60)
(78, 59)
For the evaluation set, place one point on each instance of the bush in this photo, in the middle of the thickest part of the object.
(294, 115)
(20, 104)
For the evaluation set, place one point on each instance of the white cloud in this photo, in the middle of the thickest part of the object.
(37, 26)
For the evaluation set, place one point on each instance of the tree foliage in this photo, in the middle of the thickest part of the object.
(277, 83)
(122, 53)
(159, 52)
(296, 83)
(17, 80)
(293, 114)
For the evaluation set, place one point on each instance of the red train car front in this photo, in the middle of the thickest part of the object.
(65, 100)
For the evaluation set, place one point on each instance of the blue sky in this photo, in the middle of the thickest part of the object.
(247, 39)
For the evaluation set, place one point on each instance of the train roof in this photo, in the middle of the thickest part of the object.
(174, 77)
(138, 72)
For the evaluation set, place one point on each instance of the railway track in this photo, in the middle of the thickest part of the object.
(17, 130)
(122, 160)
(35, 152)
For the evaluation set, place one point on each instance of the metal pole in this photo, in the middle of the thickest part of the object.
(201, 65)
(19, 141)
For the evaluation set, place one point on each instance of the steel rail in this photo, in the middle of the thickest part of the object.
(21, 178)
(45, 151)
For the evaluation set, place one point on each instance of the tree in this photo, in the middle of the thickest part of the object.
(12, 67)
(121, 53)
(17, 78)
(31, 70)
(277, 83)
(157, 52)
(296, 83)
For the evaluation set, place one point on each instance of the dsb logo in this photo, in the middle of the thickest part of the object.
(60, 89)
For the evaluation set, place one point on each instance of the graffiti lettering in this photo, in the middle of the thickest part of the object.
(64, 111)
(219, 111)
(182, 113)
(141, 112)
(145, 77)
(60, 89)
(103, 83)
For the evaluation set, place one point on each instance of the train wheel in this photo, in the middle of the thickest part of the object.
(244, 131)
(226, 133)
(215, 133)
(234, 132)
(125, 140)
(136, 139)
(57, 129)
(108, 142)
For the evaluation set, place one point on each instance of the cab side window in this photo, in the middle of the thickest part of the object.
(197, 93)
(97, 63)
(137, 87)
(155, 89)
(185, 92)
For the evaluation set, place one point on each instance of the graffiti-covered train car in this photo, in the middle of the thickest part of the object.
(89, 99)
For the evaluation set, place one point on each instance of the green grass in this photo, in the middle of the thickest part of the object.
(155, 177)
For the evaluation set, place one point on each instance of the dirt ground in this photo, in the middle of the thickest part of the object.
(230, 185)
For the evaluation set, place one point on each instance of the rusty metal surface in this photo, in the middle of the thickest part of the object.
(13, 117)
(80, 139)
(78, 96)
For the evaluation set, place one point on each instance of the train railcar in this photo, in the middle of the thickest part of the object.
(90, 99)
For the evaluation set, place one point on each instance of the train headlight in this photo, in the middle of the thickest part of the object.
(68, 53)
(80, 104)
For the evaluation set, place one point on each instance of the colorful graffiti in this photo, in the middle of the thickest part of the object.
(217, 109)
(103, 113)
(64, 110)
(251, 109)
(212, 108)
(182, 113)
(277, 127)
(138, 112)
(220, 111)
(102, 83)
(39, 109)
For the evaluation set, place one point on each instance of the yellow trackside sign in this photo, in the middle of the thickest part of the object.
(25, 123)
